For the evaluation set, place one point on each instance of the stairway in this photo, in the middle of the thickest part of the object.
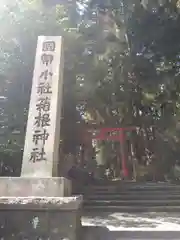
(131, 197)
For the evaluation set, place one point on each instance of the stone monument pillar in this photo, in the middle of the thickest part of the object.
(41, 150)
(40, 198)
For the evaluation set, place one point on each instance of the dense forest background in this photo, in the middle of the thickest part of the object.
(122, 69)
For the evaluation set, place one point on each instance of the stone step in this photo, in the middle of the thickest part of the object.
(131, 188)
(150, 188)
(135, 185)
(133, 209)
(132, 196)
(129, 193)
(131, 183)
(132, 203)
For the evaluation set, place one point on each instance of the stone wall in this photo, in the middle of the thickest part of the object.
(40, 218)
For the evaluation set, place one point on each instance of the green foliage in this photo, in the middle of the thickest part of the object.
(22, 22)
(121, 69)
(142, 76)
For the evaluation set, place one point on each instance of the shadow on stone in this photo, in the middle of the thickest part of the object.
(95, 233)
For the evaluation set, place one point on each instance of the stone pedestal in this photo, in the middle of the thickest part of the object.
(39, 187)
(38, 204)
(40, 218)
(39, 208)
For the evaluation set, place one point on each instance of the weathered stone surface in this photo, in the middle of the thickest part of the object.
(41, 150)
(40, 218)
(60, 203)
(43, 187)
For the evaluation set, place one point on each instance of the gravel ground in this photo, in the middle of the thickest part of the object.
(117, 226)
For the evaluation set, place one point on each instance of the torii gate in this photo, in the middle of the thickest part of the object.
(102, 135)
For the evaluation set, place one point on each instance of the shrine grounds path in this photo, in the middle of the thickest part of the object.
(118, 226)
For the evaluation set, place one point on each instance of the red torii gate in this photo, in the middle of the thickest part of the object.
(102, 135)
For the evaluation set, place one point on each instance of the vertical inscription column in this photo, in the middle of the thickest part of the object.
(41, 148)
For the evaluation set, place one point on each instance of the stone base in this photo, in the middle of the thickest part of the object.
(40, 187)
(40, 218)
